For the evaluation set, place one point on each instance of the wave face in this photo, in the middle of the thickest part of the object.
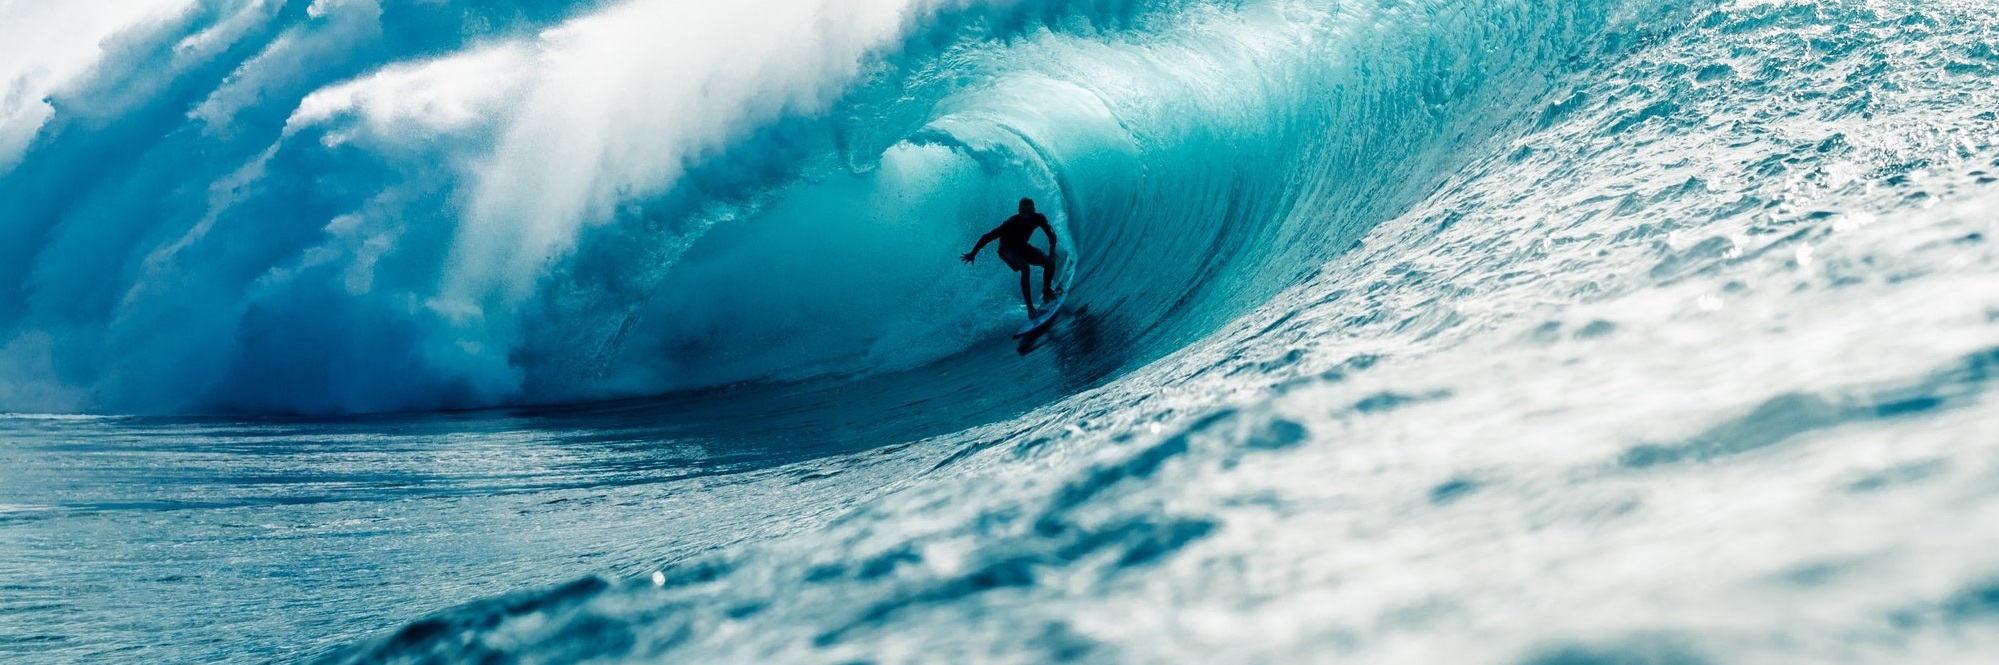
(1456, 331)
(359, 206)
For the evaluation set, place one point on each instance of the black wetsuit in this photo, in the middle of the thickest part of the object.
(1013, 235)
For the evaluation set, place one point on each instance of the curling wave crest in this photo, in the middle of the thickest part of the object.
(357, 206)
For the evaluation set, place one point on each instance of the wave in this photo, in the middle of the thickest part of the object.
(356, 206)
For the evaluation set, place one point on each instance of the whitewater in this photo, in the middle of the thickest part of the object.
(1626, 332)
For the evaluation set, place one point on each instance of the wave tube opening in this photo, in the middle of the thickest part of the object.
(410, 231)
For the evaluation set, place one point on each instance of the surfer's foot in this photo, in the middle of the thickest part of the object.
(1050, 294)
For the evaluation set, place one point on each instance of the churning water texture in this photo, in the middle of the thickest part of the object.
(1619, 332)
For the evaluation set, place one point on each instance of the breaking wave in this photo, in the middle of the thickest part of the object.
(362, 206)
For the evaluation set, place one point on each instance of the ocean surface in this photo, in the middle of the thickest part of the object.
(1621, 332)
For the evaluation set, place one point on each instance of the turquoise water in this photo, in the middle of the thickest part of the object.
(1481, 331)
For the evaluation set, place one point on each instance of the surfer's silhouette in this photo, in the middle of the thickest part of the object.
(1013, 235)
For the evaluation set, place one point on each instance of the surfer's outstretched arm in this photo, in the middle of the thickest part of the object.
(989, 237)
(1050, 230)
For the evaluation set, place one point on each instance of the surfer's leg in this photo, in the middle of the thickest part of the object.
(1026, 296)
(1047, 281)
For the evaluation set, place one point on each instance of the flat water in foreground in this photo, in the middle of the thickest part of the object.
(221, 539)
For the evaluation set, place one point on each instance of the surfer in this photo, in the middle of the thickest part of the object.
(1013, 235)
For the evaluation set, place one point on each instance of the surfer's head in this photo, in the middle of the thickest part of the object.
(1027, 205)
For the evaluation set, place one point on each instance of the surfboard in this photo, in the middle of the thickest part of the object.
(1047, 316)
